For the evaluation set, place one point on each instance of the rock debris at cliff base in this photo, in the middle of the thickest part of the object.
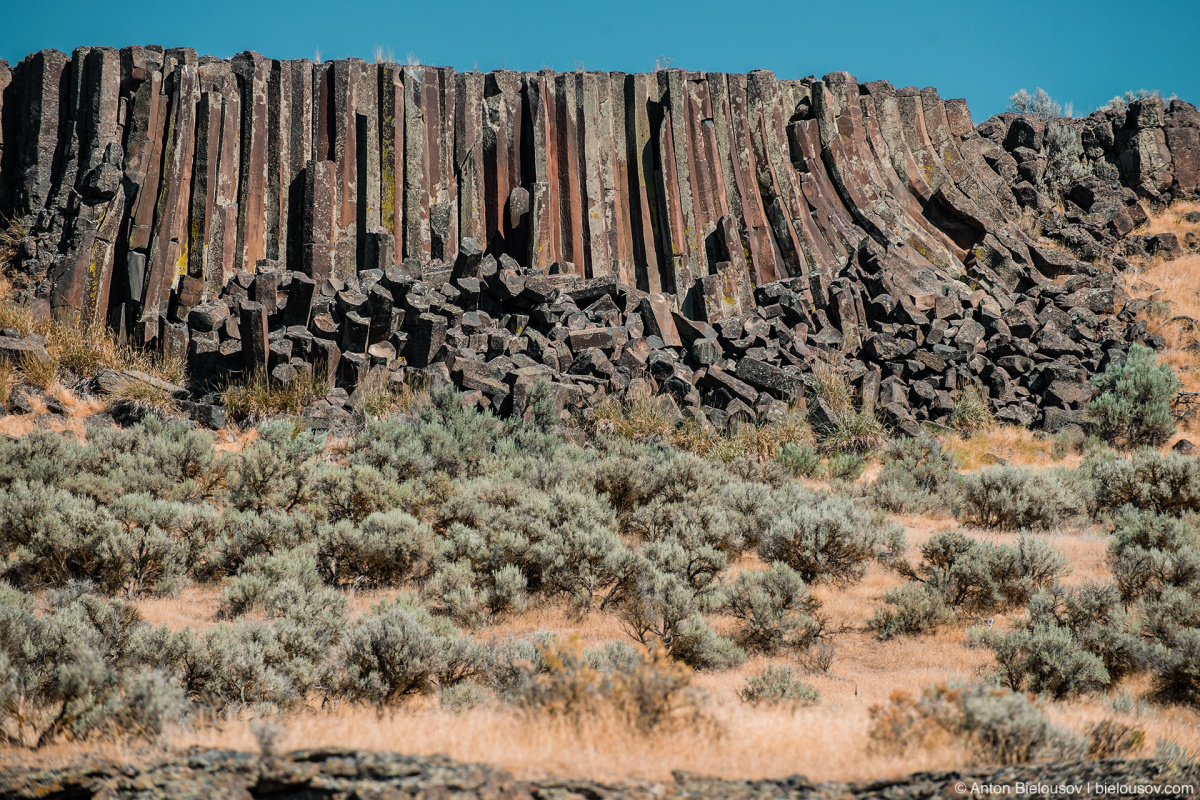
(704, 236)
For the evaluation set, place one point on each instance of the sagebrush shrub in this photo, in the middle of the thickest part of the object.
(400, 650)
(233, 666)
(911, 609)
(1150, 552)
(1045, 658)
(40, 457)
(167, 460)
(845, 466)
(1175, 665)
(1072, 641)
(803, 461)
(442, 436)
(458, 591)
(774, 610)
(276, 472)
(135, 544)
(1096, 617)
(831, 540)
(662, 609)
(1040, 104)
(778, 686)
(1011, 498)
(241, 535)
(1000, 726)
(917, 476)
(384, 549)
(1147, 480)
(975, 577)
(1171, 611)
(353, 493)
(646, 689)
(81, 669)
(1134, 405)
(280, 584)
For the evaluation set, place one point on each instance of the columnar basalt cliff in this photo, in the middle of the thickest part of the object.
(707, 236)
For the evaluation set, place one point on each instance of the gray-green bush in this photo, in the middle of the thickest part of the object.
(917, 476)
(1150, 552)
(778, 686)
(911, 609)
(1147, 480)
(1011, 498)
(1000, 726)
(831, 540)
(774, 610)
(976, 577)
(1133, 407)
(400, 650)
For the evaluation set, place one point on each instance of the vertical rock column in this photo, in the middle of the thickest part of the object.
(391, 154)
(167, 258)
(416, 164)
(43, 76)
(141, 69)
(571, 221)
(543, 191)
(83, 280)
(439, 105)
(204, 247)
(299, 153)
(640, 92)
(8, 144)
(503, 124)
(596, 142)
(468, 156)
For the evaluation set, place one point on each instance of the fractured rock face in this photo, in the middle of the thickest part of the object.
(703, 236)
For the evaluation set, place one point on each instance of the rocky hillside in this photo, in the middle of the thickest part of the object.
(706, 236)
(337, 774)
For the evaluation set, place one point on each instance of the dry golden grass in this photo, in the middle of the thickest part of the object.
(1020, 447)
(655, 419)
(822, 742)
(379, 397)
(76, 351)
(8, 381)
(234, 440)
(256, 398)
(193, 607)
(1171, 219)
(12, 232)
(1174, 289)
(82, 351)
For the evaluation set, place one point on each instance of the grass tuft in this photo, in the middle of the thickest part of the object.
(256, 397)
(972, 411)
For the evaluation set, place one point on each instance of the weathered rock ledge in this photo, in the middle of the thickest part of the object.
(351, 774)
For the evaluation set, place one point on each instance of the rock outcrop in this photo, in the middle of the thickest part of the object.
(703, 235)
(351, 774)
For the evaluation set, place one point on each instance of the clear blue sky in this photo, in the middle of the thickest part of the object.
(1079, 51)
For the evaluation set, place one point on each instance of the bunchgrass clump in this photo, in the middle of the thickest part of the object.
(256, 397)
